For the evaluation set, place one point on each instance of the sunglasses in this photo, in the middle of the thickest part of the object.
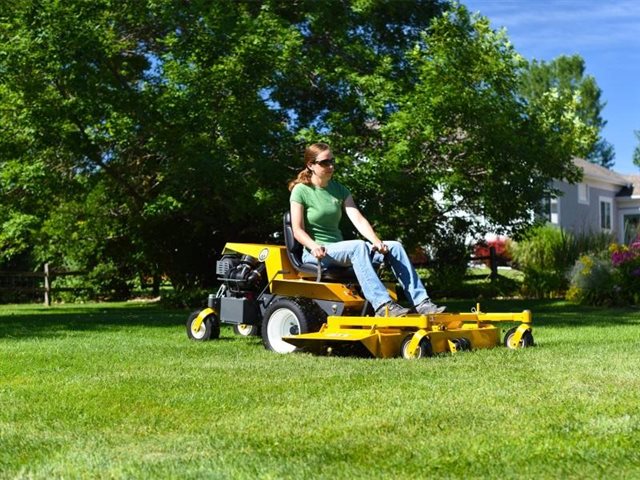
(326, 163)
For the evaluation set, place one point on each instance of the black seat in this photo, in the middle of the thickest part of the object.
(294, 252)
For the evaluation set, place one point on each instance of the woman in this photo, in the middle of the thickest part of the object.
(317, 202)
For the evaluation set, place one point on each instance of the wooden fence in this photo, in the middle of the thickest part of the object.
(493, 262)
(37, 283)
(41, 283)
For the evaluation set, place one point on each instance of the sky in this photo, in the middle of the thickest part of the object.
(606, 34)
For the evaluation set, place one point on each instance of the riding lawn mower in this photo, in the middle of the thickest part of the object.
(267, 290)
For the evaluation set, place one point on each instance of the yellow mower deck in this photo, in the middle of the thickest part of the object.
(383, 337)
(294, 302)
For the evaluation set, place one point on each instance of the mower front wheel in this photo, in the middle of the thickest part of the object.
(424, 348)
(289, 316)
(209, 328)
(525, 341)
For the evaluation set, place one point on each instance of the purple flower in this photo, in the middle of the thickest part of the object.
(617, 258)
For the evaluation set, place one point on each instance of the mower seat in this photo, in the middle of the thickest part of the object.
(294, 252)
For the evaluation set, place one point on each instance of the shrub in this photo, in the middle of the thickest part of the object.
(626, 260)
(541, 255)
(547, 254)
(185, 299)
(613, 277)
(593, 282)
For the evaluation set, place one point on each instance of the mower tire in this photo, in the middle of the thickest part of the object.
(289, 316)
(245, 330)
(462, 344)
(525, 341)
(209, 328)
(424, 348)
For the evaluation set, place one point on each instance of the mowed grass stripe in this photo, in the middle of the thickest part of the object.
(114, 391)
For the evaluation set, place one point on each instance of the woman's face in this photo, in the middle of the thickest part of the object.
(323, 165)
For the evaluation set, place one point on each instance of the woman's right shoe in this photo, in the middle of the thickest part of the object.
(394, 310)
(426, 307)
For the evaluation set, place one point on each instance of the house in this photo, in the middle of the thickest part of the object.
(604, 201)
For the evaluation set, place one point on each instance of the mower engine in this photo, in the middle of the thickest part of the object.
(240, 274)
(236, 303)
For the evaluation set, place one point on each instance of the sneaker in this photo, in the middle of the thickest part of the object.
(395, 310)
(426, 307)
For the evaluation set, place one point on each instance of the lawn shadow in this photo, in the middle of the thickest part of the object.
(56, 321)
(32, 322)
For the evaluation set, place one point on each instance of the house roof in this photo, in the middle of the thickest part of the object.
(633, 187)
(596, 172)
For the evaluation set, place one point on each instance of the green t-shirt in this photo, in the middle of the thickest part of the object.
(322, 210)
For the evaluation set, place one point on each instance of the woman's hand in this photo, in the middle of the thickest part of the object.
(318, 252)
(381, 247)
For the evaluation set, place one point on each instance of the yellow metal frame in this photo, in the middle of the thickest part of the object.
(287, 282)
(515, 339)
(197, 322)
(383, 336)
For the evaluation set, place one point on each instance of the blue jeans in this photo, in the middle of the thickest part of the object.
(357, 254)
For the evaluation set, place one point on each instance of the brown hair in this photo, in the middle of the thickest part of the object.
(310, 155)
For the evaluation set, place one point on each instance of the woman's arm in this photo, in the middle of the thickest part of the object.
(362, 224)
(300, 234)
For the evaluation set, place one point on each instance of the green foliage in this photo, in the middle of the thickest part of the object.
(611, 277)
(137, 137)
(185, 299)
(546, 254)
(626, 261)
(449, 259)
(144, 134)
(566, 75)
(593, 281)
(463, 140)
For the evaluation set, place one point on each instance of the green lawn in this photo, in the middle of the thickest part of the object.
(117, 391)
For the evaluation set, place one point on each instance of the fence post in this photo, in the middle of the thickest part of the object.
(47, 286)
(494, 263)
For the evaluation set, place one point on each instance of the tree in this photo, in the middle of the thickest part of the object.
(140, 136)
(566, 74)
(137, 137)
(636, 151)
(464, 152)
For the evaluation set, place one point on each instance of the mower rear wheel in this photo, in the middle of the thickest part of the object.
(245, 330)
(525, 341)
(209, 328)
(424, 348)
(289, 316)
(462, 344)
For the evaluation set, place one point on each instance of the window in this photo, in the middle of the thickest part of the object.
(551, 210)
(583, 193)
(554, 213)
(605, 214)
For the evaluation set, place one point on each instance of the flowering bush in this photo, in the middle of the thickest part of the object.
(593, 281)
(610, 278)
(626, 260)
